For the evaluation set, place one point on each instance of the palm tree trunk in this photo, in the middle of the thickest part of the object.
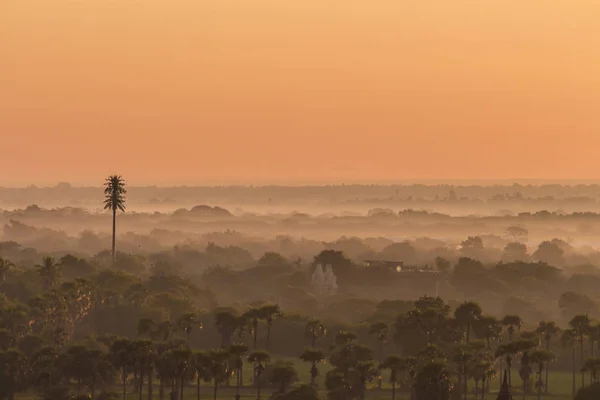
(215, 391)
(476, 388)
(255, 332)
(268, 336)
(161, 389)
(312, 375)
(198, 388)
(141, 383)
(582, 362)
(93, 388)
(380, 380)
(393, 390)
(238, 383)
(150, 373)
(524, 387)
(547, 364)
(539, 391)
(114, 232)
(574, 371)
(258, 390)
(124, 383)
(181, 389)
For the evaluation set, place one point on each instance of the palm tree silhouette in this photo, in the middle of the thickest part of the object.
(114, 199)
(49, 270)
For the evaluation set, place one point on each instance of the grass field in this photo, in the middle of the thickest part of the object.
(560, 388)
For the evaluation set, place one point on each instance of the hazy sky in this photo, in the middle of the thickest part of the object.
(255, 91)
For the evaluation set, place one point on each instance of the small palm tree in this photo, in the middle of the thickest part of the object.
(313, 356)
(187, 322)
(49, 270)
(114, 199)
(315, 330)
(260, 359)
(513, 322)
(381, 332)
(5, 267)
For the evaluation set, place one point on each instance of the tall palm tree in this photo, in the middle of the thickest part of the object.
(541, 358)
(381, 332)
(467, 314)
(395, 365)
(269, 313)
(49, 270)
(219, 368)
(5, 267)
(114, 199)
(580, 324)
(227, 323)
(569, 339)
(548, 329)
(315, 330)
(122, 354)
(525, 370)
(260, 359)
(253, 316)
(313, 356)
(238, 352)
(143, 356)
(201, 363)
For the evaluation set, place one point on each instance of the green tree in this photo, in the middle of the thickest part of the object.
(313, 356)
(381, 332)
(433, 381)
(260, 359)
(114, 199)
(283, 375)
(5, 267)
(549, 330)
(12, 372)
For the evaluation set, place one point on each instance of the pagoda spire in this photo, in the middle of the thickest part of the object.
(504, 393)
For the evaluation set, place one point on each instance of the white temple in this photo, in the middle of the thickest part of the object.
(324, 282)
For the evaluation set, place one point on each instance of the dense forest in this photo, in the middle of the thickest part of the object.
(202, 312)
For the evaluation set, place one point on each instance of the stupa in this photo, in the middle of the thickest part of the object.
(504, 393)
(323, 282)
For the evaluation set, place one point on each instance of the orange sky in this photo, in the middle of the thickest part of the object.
(290, 91)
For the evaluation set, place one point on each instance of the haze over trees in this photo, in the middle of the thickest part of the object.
(223, 303)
